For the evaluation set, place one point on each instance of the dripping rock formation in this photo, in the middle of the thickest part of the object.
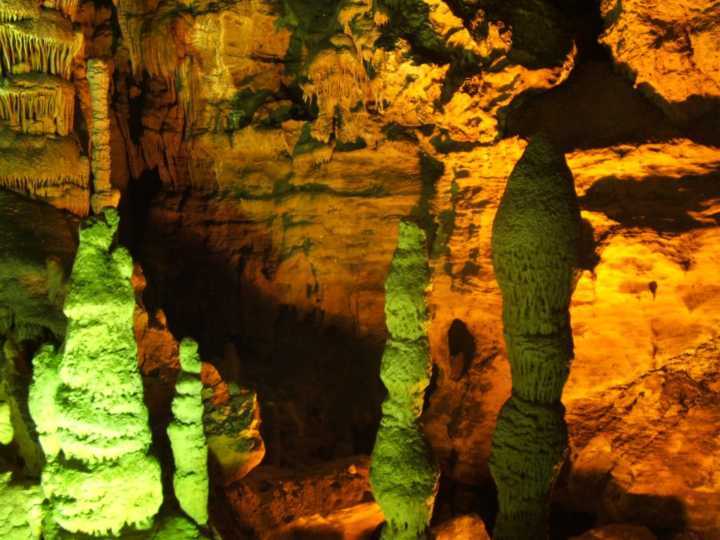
(260, 160)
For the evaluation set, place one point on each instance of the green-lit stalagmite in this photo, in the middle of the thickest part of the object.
(187, 437)
(20, 510)
(535, 255)
(87, 399)
(404, 481)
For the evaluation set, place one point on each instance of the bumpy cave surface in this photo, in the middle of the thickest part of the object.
(246, 269)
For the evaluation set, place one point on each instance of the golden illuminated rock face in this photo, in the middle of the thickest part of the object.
(669, 49)
(265, 153)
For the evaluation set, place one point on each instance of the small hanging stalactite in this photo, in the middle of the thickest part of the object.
(46, 45)
(29, 99)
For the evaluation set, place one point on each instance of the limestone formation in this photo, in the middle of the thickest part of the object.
(38, 50)
(37, 246)
(18, 10)
(46, 44)
(99, 74)
(535, 253)
(38, 103)
(669, 50)
(187, 437)
(403, 478)
(7, 432)
(87, 401)
(21, 509)
(232, 426)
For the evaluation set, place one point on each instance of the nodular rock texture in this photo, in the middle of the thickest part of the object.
(402, 475)
(87, 399)
(187, 436)
(535, 250)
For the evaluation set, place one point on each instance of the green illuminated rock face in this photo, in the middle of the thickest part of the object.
(87, 399)
(6, 428)
(15, 422)
(20, 510)
(187, 437)
(404, 481)
(535, 243)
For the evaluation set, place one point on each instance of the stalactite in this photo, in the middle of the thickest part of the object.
(403, 479)
(45, 45)
(45, 169)
(87, 399)
(98, 75)
(130, 19)
(30, 99)
(339, 82)
(68, 7)
(187, 437)
(535, 256)
(160, 47)
(18, 10)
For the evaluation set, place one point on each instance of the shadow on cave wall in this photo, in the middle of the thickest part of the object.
(598, 105)
(318, 383)
(667, 205)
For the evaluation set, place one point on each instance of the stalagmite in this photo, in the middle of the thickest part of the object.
(535, 256)
(187, 437)
(20, 510)
(403, 479)
(98, 75)
(38, 103)
(87, 399)
(46, 45)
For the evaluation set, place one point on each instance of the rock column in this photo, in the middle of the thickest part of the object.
(535, 256)
(98, 76)
(403, 478)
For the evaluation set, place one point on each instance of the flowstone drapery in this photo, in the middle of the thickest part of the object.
(535, 244)
(403, 478)
(39, 53)
(87, 399)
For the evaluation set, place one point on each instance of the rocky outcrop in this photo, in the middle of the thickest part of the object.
(644, 446)
(231, 420)
(670, 51)
(38, 247)
(263, 500)
(462, 528)
(617, 532)
(402, 475)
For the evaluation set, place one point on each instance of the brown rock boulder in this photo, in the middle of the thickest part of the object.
(617, 532)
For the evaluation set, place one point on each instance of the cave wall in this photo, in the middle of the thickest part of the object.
(266, 152)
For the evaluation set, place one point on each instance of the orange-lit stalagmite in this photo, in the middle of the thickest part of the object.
(535, 254)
